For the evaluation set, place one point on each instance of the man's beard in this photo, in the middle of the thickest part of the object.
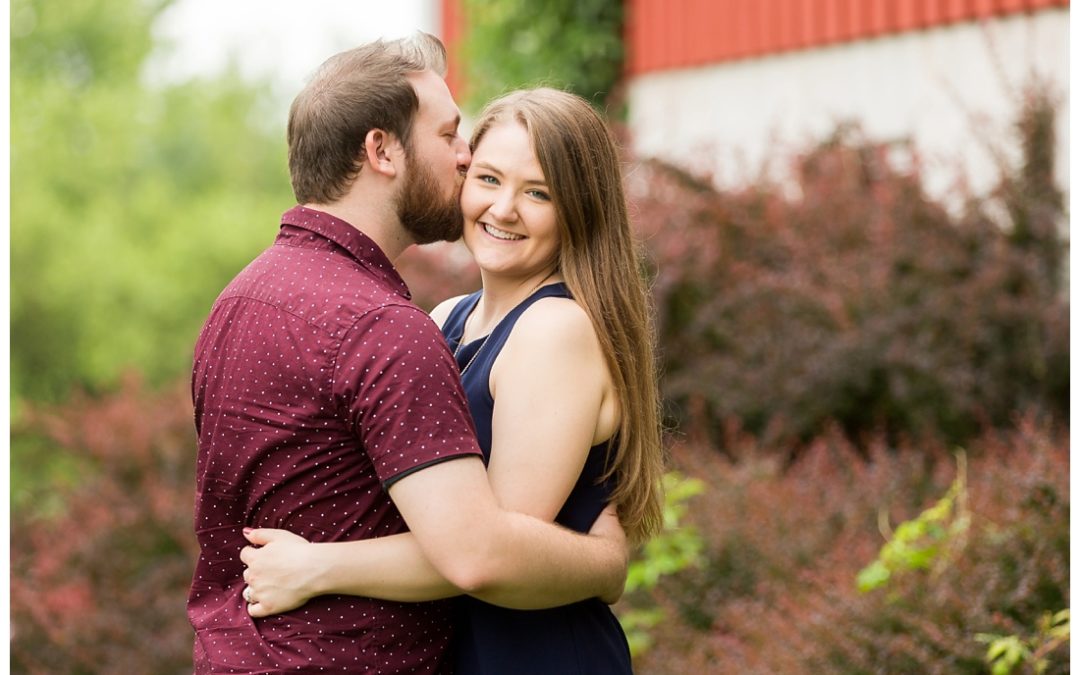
(423, 211)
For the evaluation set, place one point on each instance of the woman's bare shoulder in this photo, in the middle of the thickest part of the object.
(557, 323)
(442, 311)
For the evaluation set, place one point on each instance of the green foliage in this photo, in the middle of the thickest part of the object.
(1006, 652)
(676, 548)
(571, 44)
(131, 205)
(921, 542)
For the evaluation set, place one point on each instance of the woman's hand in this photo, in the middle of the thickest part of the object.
(280, 573)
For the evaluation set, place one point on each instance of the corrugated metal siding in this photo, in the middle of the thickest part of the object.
(664, 34)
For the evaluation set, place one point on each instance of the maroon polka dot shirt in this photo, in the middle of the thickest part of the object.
(316, 384)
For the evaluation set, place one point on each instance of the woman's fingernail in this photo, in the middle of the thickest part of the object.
(248, 530)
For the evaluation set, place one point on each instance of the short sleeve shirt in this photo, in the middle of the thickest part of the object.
(316, 384)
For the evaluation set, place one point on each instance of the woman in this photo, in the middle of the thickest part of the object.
(556, 359)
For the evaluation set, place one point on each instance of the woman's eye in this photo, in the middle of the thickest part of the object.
(539, 194)
(490, 180)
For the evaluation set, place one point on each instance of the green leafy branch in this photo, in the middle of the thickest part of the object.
(925, 541)
(676, 548)
(1006, 652)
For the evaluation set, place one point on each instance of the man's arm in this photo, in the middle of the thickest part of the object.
(552, 403)
(409, 410)
(506, 558)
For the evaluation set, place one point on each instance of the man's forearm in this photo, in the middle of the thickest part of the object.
(534, 564)
(506, 558)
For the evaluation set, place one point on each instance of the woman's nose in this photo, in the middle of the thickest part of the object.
(503, 206)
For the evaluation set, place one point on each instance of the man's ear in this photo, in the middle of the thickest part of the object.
(383, 152)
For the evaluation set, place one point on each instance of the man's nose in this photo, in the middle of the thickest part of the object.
(464, 155)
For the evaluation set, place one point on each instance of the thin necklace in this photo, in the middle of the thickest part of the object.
(461, 341)
(475, 354)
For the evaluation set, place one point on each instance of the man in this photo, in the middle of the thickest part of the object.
(327, 404)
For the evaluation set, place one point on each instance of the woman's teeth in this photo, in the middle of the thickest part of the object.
(500, 234)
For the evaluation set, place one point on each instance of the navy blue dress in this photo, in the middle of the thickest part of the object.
(584, 637)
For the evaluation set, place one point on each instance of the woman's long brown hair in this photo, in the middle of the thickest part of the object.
(601, 264)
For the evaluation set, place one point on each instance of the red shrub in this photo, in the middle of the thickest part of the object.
(859, 300)
(777, 591)
(102, 587)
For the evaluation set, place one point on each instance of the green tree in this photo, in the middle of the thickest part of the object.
(570, 44)
(131, 204)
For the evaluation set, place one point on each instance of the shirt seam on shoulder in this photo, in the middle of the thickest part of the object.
(283, 310)
(342, 410)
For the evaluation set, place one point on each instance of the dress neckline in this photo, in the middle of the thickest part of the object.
(459, 347)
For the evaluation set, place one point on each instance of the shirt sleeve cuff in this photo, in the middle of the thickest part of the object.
(413, 469)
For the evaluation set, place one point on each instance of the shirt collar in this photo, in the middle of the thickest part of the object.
(356, 243)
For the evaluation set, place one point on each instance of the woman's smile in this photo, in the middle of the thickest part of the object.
(501, 234)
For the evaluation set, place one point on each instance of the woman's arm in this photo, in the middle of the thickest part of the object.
(286, 570)
(553, 402)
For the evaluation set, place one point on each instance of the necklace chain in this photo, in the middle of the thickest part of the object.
(461, 341)
(475, 354)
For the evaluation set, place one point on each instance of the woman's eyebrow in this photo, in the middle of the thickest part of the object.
(488, 167)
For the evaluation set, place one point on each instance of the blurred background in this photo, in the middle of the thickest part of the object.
(855, 219)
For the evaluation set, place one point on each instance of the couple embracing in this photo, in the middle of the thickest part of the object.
(377, 495)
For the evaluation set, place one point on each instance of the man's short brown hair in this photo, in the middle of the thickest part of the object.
(350, 94)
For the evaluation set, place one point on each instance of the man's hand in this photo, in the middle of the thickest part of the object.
(279, 574)
(607, 526)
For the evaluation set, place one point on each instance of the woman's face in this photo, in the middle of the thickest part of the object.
(510, 224)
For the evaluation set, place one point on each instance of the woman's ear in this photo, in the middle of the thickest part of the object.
(382, 152)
